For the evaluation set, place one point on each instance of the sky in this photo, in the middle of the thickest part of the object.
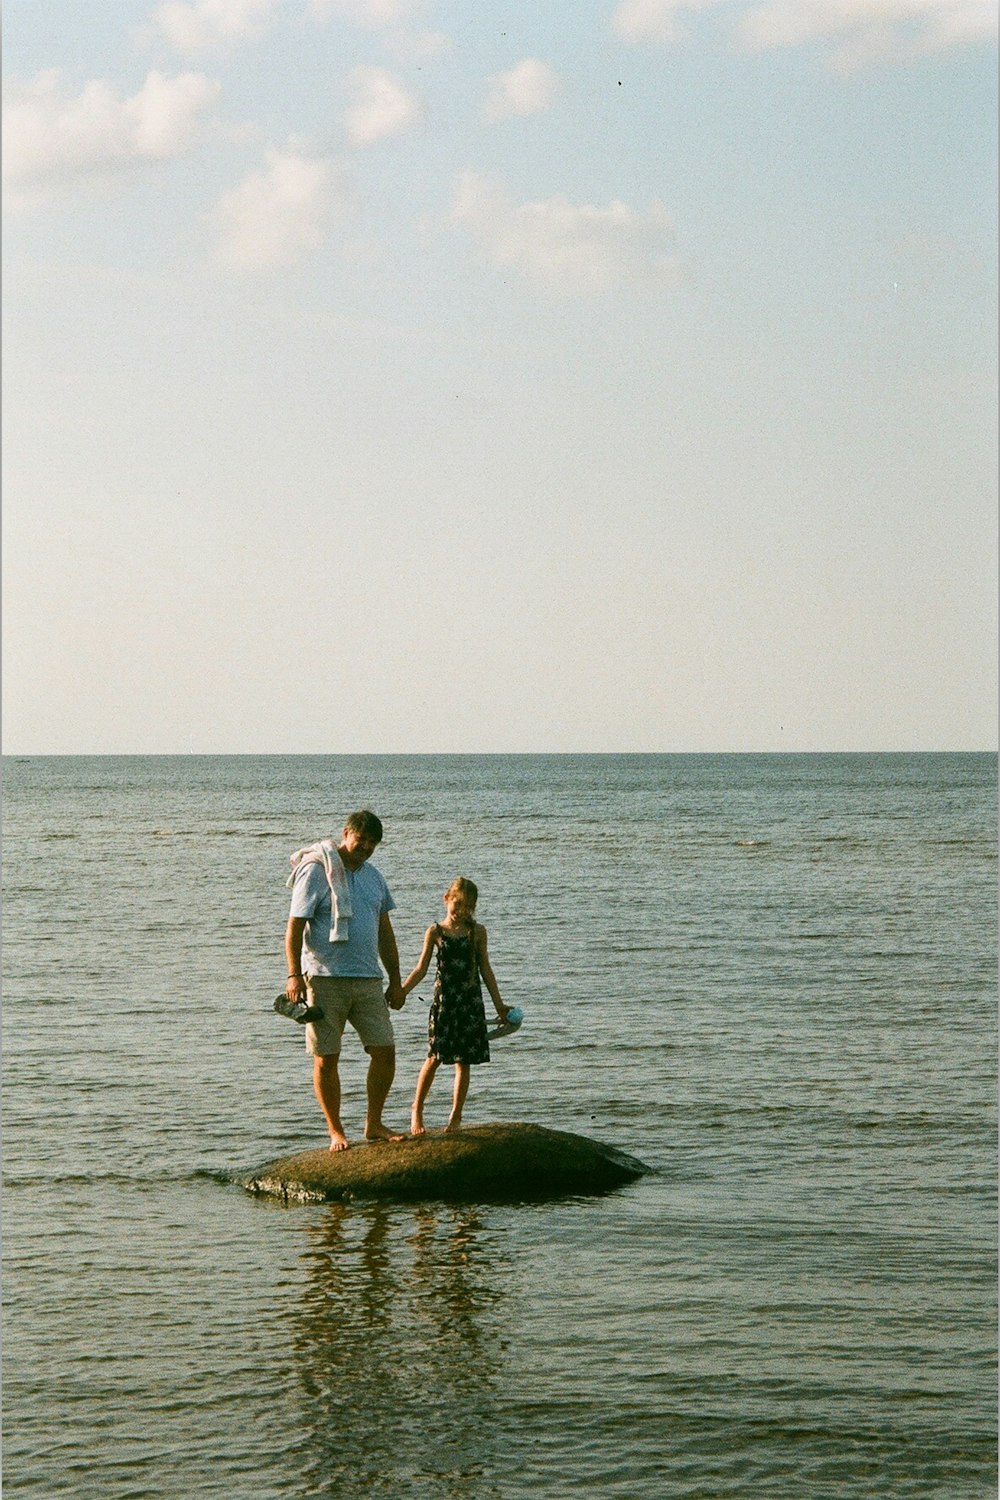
(439, 376)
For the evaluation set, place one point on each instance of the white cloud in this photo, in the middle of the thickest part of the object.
(50, 137)
(381, 107)
(373, 15)
(653, 20)
(212, 25)
(526, 89)
(569, 248)
(857, 30)
(277, 216)
(865, 30)
(390, 19)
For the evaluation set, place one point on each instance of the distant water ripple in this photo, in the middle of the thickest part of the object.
(773, 978)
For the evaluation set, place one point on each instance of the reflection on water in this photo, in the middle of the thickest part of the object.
(399, 1343)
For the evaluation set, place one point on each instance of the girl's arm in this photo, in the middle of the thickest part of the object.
(486, 970)
(412, 980)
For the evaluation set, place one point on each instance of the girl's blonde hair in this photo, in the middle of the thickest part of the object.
(461, 886)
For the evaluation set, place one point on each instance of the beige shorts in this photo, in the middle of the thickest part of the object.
(360, 1001)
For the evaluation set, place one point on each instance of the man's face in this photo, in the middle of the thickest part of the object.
(355, 848)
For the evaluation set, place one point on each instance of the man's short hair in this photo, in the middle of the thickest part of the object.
(366, 825)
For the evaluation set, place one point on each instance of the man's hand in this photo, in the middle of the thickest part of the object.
(395, 996)
(295, 989)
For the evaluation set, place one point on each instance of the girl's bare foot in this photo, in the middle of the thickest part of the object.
(338, 1141)
(454, 1124)
(417, 1125)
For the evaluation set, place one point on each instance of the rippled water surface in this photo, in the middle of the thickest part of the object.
(772, 978)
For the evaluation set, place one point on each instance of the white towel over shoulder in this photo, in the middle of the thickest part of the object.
(325, 853)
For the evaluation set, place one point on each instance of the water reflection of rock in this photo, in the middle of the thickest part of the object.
(399, 1343)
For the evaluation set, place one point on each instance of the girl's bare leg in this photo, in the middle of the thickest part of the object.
(424, 1082)
(462, 1075)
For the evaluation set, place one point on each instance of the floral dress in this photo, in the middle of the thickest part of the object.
(457, 1025)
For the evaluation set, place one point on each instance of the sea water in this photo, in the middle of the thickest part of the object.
(772, 978)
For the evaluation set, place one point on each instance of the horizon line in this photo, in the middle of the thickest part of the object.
(15, 755)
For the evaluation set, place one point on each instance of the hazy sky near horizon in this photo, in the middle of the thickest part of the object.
(402, 375)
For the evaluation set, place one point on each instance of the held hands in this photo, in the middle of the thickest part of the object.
(395, 995)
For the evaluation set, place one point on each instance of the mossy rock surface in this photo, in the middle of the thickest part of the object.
(480, 1164)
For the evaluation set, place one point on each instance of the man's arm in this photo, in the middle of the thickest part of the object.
(295, 989)
(389, 954)
(423, 963)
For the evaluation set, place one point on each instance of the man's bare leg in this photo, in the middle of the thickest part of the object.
(424, 1082)
(381, 1072)
(326, 1082)
(462, 1075)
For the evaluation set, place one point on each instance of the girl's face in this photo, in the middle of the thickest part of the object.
(458, 906)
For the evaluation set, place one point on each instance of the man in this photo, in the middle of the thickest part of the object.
(338, 930)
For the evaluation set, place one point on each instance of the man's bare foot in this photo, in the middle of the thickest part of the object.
(382, 1133)
(417, 1125)
(454, 1124)
(338, 1140)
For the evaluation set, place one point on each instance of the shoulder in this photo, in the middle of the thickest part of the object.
(479, 934)
(310, 890)
(309, 874)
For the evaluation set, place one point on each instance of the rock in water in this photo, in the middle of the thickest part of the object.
(481, 1164)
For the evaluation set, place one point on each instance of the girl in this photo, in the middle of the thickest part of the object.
(457, 1024)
